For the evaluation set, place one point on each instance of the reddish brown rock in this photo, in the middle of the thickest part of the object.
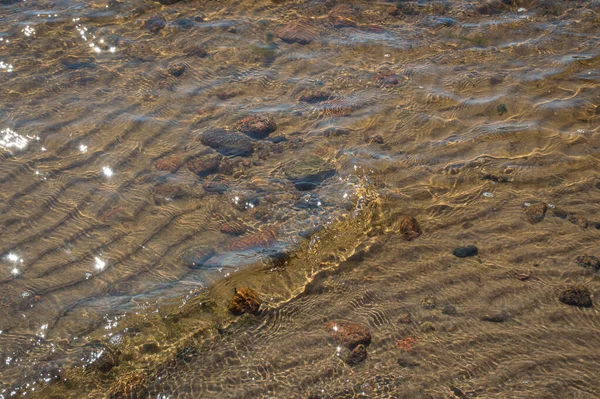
(314, 96)
(536, 212)
(256, 126)
(245, 300)
(261, 239)
(349, 334)
(297, 32)
(233, 228)
(204, 165)
(215, 184)
(578, 220)
(167, 192)
(376, 138)
(170, 163)
(409, 228)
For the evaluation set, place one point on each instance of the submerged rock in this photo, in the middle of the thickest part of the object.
(167, 192)
(308, 174)
(314, 96)
(169, 163)
(155, 24)
(536, 212)
(576, 295)
(464, 252)
(409, 228)
(195, 257)
(357, 355)
(495, 317)
(349, 334)
(187, 354)
(261, 239)
(227, 143)
(257, 127)
(297, 32)
(245, 300)
(429, 302)
(195, 51)
(578, 220)
(99, 357)
(176, 70)
(588, 262)
(216, 184)
(233, 228)
(204, 165)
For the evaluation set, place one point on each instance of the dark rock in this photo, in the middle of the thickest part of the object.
(578, 220)
(195, 257)
(155, 24)
(336, 132)
(99, 357)
(409, 228)
(501, 109)
(167, 192)
(233, 228)
(187, 354)
(307, 174)
(426, 327)
(445, 21)
(150, 347)
(245, 300)
(195, 51)
(358, 355)
(498, 178)
(387, 79)
(204, 165)
(315, 96)
(310, 232)
(536, 212)
(576, 295)
(169, 163)
(405, 318)
(449, 310)
(176, 70)
(308, 201)
(256, 126)
(76, 63)
(589, 262)
(464, 252)
(348, 334)
(495, 317)
(297, 32)
(429, 302)
(227, 143)
(376, 138)
(168, 2)
(407, 363)
(120, 288)
(496, 80)
(559, 213)
(491, 7)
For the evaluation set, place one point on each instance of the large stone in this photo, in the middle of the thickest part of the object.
(297, 32)
(256, 126)
(227, 143)
(349, 334)
(576, 295)
(245, 300)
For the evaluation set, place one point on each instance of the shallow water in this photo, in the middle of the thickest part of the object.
(122, 232)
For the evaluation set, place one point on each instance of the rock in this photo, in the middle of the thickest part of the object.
(495, 317)
(215, 184)
(336, 132)
(491, 7)
(155, 24)
(501, 109)
(559, 213)
(120, 288)
(376, 138)
(168, 2)
(358, 355)
(169, 163)
(307, 174)
(233, 228)
(387, 79)
(407, 363)
(429, 302)
(167, 192)
(427, 326)
(496, 80)
(578, 220)
(195, 257)
(409, 228)
(588, 262)
(576, 295)
(227, 143)
(195, 51)
(405, 318)
(256, 126)
(464, 252)
(99, 357)
(76, 63)
(498, 178)
(245, 300)
(204, 165)
(150, 347)
(315, 96)
(261, 239)
(349, 334)
(449, 309)
(176, 70)
(536, 212)
(296, 32)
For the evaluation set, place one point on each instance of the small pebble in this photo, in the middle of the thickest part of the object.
(464, 252)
